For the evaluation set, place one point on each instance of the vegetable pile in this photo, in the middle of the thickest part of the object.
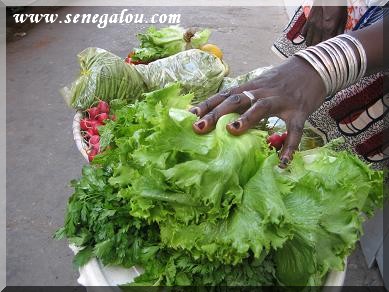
(214, 209)
(156, 44)
(97, 116)
(174, 54)
(103, 76)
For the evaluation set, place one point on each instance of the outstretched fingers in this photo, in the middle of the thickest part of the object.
(236, 103)
(208, 105)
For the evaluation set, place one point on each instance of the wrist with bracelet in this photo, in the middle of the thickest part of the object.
(340, 61)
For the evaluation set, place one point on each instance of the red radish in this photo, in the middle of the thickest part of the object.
(102, 117)
(85, 124)
(96, 147)
(275, 140)
(138, 62)
(133, 62)
(93, 112)
(91, 154)
(284, 136)
(95, 130)
(103, 107)
(96, 126)
(129, 59)
(89, 133)
(94, 139)
(95, 123)
(113, 117)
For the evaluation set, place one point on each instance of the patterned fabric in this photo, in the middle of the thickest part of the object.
(355, 10)
(359, 112)
(290, 40)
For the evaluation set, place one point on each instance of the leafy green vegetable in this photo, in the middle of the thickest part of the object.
(200, 38)
(156, 44)
(214, 209)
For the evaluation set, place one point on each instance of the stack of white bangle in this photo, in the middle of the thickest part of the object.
(336, 62)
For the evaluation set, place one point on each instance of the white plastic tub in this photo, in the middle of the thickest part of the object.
(96, 274)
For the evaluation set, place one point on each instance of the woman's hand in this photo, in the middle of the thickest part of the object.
(290, 91)
(324, 22)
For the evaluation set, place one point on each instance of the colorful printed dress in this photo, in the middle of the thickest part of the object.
(359, 112)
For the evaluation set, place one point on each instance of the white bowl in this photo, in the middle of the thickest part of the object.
(94, 273)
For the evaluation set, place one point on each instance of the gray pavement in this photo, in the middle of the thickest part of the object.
(41, 155)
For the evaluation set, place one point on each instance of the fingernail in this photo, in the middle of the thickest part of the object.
(236, 125)
(194, 110)
(284, 160)
(225, 93)
(200, 124)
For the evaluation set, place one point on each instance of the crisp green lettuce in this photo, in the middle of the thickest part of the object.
(160, 43)
(215, 209)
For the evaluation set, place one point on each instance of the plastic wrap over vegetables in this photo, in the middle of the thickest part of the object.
(229, 82)
(104, 76)
(197, 71)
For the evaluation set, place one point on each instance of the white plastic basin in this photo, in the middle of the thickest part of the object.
(96, 274)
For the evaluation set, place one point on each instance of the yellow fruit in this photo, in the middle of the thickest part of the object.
(213, 49)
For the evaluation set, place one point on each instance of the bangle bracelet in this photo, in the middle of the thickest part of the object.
(352, 66)
(342, 62)
(327, 64)
(361, 51)
(317, 66)
(336, 61)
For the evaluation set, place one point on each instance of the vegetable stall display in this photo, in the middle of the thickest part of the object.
(214, 209)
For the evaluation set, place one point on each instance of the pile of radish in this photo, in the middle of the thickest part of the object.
(94, 117)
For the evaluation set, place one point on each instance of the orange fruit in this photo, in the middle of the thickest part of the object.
(213, 49)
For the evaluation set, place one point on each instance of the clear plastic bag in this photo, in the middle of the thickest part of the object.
(229, 82)
(103, 76)
(197, 71)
